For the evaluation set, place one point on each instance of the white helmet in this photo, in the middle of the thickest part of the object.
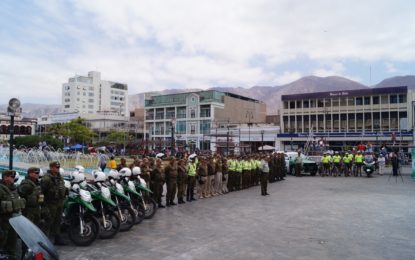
(61, 171)
(113, 174)
(99, 176)
(136, 170)
(80, 168)
(159, 155)
(16, 177)
(125, 172)
(41, 173)
(77, 177)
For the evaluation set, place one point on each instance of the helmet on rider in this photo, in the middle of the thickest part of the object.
(99, 176)
(113, 174)
(77, 177)
(125, 172)
(136, 170)
(80, 168)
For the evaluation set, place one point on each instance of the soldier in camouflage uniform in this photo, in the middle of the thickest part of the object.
(31, 191)
(10, 203)
(54, 190)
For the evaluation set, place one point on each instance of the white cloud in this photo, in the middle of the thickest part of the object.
(153, 45)
(390, 67)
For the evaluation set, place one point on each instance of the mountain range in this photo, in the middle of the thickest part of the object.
(271, 95)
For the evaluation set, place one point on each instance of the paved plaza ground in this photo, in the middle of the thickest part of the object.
(303, 218)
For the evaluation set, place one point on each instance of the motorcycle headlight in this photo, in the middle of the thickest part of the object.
(119, 188)
(85, 195)
(106, 192)
(131, 185)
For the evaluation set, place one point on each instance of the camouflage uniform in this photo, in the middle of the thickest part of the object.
(54, 190)
(31, 191)
(10, 203)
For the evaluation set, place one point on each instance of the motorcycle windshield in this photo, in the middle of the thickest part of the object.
(33, 237)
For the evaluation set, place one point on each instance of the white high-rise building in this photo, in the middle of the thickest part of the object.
(90, 95)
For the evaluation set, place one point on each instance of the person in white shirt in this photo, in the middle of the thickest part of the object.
(381, 163)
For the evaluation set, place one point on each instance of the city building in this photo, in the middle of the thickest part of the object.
(340, 119)
(89, 95)
(243, 138)
(22, 126)
(187, 118)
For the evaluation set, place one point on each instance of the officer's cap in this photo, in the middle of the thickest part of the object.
(8, 173)
(54, 164)
(33, 169)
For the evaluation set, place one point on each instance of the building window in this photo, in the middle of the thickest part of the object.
(90, 106)
(91, 100)
(359, 101)
(299, 104)
(402, 98)
(170, 112)
(393, 99)
(285, 104)
(181, 112)
(67, 106)
(292, 104)
(159, 113)
(181, 127)
(205, 126)
(375, 100)
(320, 103)
(192, 129)
(192, 113)
(205, 111)
(306, 104)
(366, 100)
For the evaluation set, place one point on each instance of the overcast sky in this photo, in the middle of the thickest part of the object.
(154, 45)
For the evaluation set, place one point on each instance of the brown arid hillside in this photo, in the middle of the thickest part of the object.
(271, 95)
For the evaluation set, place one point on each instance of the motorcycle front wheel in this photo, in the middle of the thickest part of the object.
(151, 207)
(88, 234)
(111, 226)
(127, 218)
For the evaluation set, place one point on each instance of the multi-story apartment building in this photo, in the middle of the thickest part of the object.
(341, 118)
(88, 95)
(192, 115)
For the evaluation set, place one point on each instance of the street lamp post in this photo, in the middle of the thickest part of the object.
(262, 140)
(13, 110)
(173, 122)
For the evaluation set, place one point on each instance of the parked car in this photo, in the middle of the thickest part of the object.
(308, 165)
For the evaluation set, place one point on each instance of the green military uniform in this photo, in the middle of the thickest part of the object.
(10, 203)
(171, 180)
(181, 183)
(31, 191)
(157, 181)
(54, 190)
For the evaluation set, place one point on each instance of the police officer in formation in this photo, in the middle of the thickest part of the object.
(10, 204)
(54, 191)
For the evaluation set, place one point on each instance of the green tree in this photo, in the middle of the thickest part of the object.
(77, 131)
(119, 137)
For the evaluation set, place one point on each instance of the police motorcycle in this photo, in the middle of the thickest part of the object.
(79, 212)
(109, 221)
(147, 202)
(368, 165)
(132, 194)
(123, 207)
(35, 243)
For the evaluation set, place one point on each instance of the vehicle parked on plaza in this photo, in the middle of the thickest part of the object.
(308, 165)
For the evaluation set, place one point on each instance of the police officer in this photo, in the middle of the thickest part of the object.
(171, 173)
(191, 179)
(54, 191)
(10, 203)
(157, 180)
(264, 175)
(181, 181)
(297, 164)
(31, 191)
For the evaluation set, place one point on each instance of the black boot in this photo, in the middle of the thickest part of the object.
(161, 206)
(172, 203)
